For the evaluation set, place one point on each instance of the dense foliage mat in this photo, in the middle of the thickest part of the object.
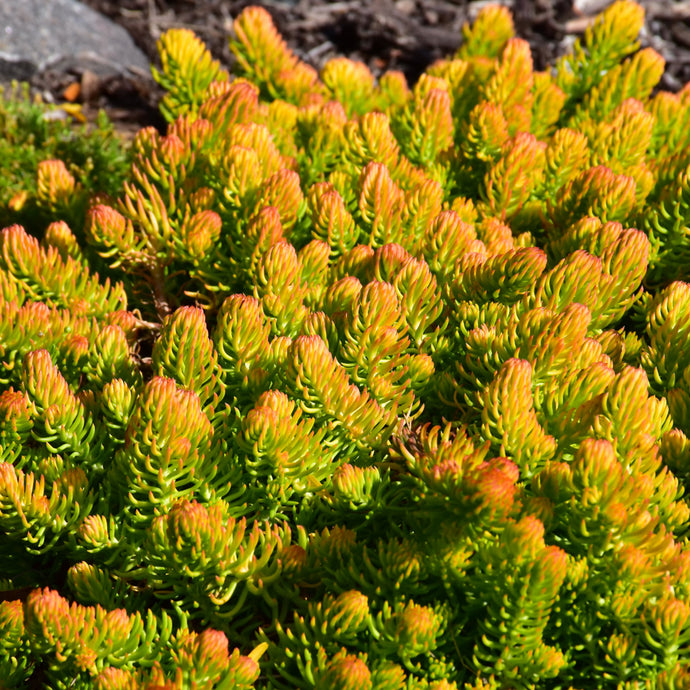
(378, 388)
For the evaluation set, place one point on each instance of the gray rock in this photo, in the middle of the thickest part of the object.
(63, 35)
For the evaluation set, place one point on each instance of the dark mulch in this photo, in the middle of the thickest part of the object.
(406, 35)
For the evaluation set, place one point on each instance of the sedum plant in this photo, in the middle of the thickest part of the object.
(357, 385)
(35, 191)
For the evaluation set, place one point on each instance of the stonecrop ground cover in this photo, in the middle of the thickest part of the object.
(358, 386)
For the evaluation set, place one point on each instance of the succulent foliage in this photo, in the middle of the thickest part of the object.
(356, 384)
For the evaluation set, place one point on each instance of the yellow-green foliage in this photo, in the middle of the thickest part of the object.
(30, 134)
(385, 387)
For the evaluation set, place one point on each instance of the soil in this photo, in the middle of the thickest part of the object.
(406, 35)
